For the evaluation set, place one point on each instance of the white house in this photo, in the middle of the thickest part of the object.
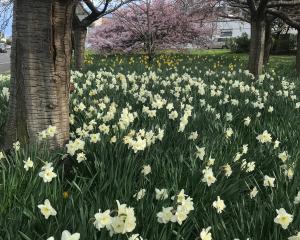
(226, 28)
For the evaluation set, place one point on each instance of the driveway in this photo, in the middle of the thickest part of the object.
(4, 62)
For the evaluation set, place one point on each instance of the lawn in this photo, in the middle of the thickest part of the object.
(191, 143)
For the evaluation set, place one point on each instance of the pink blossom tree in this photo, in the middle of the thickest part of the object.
(151, 25)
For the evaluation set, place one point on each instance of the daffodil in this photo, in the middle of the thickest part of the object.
(219, 205)
(206, 234)
(66, 235)
(46, 209)
(283, 218)
(28, 164)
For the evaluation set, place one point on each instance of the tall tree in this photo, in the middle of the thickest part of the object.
(257, 11)
(292, 17)
(149, 26)
(40, 70)
(94, 10)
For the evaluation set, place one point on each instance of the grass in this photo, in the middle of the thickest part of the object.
(112, 171)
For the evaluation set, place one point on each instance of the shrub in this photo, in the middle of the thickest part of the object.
(239, 44)
(284, 44)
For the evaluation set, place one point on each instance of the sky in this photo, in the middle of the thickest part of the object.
(7, 31)
(5, 13)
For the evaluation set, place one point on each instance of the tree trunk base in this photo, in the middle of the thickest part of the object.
(40, 71)
(257, 47)
(79, 46)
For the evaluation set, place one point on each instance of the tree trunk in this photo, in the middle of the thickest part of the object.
(268, 42)
(79, 46)
(257, 46)
(40, 70)
(298, 53)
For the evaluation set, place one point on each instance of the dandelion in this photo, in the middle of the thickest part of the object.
(65, 194)
(46, 209)
(283, 218)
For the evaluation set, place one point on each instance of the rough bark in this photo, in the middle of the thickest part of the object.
(298, 53)
(268, 42)
(79, 46)
(257, 46)
(40, 70)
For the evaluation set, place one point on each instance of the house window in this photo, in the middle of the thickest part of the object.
(226, 33)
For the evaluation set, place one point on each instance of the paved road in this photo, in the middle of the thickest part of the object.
(4, 62)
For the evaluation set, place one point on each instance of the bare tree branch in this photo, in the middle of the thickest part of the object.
(279, 3)
(285, 17)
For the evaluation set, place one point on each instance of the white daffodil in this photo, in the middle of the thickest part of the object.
(102, 220)
(283, 218)
(46, 209)
(66, 235)
(47, 173)
(265, 137)
(269, 181)
(219, 205)
(205, 234)
(28, 164)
